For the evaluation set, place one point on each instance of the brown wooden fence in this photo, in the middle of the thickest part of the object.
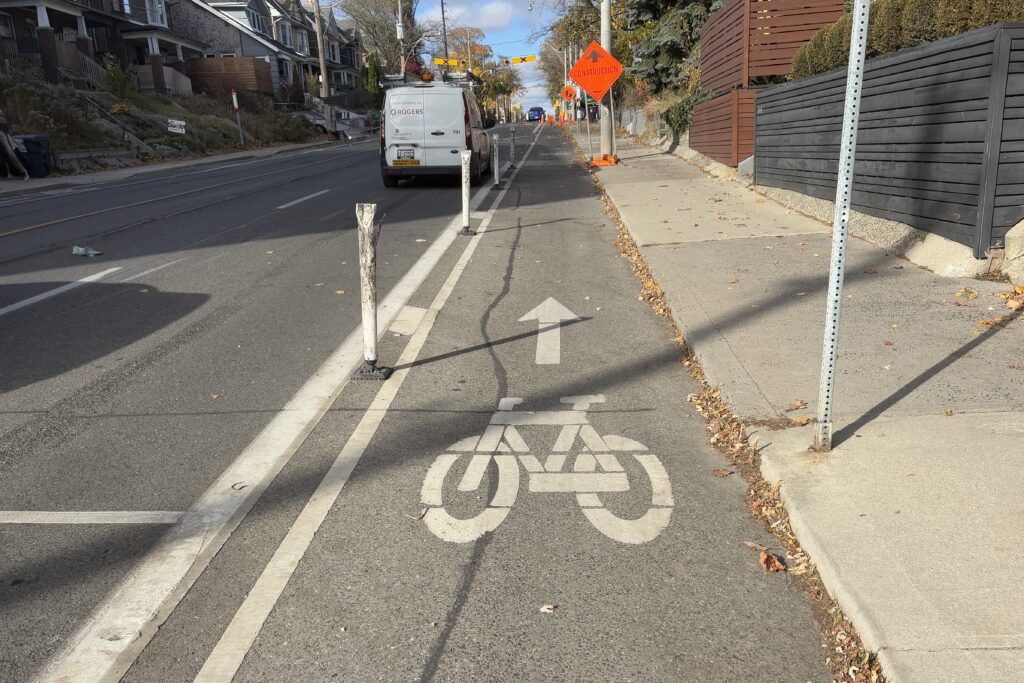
(750, 38)
(723, 127)
(216, 74)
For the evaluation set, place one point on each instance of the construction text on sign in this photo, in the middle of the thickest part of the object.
(596, 70)
(568, 93)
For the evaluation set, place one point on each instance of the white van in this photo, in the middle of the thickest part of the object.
(423, 129)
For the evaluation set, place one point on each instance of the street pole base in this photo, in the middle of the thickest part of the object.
(466, 232)
(604, 160)
(497, 186)
(823, 437)
(371, 370)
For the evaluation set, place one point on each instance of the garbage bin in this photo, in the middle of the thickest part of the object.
(37, 154)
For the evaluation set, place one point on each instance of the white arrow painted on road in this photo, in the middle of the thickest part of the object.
(549, 316)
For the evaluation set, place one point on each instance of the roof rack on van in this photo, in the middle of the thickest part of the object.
(395, 80)
(462, 78)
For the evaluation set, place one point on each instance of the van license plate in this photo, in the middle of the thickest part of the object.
(406, 153)
(406, 162)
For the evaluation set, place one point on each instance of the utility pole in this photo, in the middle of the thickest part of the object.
(324, 92)
(400, 30)
(444, 33)
(606, 43)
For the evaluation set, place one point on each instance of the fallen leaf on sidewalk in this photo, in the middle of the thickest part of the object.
(799, 570)
(888, 342)
(871, 270)
(966, 293)
(770, 562)
(796, 405)
(664, 221)
(754, 546)
(547, 609)
(318, 284)
(690, 398)
(722, 472)
(993, 322)
(339, 291)
(800, 420)
(733, 281)
(214, 396)
(948, 413)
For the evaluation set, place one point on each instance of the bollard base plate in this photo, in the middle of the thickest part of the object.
(373, 371)
(466, 232)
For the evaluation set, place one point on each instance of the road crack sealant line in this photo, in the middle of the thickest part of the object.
(735, 441)
(106, 645)
(227, 656)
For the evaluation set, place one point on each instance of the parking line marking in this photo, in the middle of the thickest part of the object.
(226, 658)
(90, 517)
(108, 642)
(302, 199)
(58, 290)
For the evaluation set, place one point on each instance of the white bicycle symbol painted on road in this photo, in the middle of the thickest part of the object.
(595, 470)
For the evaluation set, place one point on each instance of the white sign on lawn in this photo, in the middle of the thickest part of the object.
(175, 126)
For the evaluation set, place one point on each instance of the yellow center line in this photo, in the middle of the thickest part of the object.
(89, 214)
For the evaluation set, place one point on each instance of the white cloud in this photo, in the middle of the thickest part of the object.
(489, 16)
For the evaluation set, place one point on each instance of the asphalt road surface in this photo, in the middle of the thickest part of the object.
(192, 489)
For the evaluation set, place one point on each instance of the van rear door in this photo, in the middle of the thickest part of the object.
(403, 119)
(444, 124)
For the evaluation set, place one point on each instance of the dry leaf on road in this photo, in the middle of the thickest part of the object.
(800, 420)
(722, 472)
(948, 413)
(871, 270)
(888, 342)
(796, 405)
(770, 562)
(966, 293)
(754, 546)
(547, 609)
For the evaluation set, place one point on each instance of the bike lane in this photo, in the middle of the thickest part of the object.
(537, 501)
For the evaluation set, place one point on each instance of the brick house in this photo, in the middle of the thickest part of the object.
(70, 38)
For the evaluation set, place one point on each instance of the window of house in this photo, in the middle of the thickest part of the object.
(284, 33)
(156, 12)
(127, 5)
(256, 21)
(6, 26)
(301, 41)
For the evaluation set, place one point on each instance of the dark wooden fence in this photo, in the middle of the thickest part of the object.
(723, 127)
(750, 38)
(941, 139)
(744, 40)
(217, 74)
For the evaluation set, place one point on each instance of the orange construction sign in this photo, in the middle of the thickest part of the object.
(596, 70)
(568, 93)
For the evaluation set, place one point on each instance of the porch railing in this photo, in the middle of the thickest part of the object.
(77, 63)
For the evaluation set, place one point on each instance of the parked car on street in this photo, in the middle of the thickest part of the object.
(535, 114)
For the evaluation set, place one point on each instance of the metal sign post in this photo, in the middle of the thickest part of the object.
(840, 225)
(466, 156)
(369, 231)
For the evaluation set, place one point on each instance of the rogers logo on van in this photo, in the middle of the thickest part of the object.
(400, 112)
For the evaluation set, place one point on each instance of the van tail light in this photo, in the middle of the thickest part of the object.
(469, 131)
(382, 129)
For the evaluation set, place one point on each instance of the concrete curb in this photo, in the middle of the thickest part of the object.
(847, 599)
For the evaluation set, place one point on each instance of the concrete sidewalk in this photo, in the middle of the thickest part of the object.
(915, 521)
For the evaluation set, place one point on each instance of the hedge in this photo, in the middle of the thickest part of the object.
(899, 24)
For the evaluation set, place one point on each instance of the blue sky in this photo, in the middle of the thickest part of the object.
(508, 25)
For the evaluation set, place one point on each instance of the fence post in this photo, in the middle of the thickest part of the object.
(466, 156)
(840, 223)
(496, 162)
(369, 231)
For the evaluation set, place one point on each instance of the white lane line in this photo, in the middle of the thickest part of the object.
(59, 290)
(107, 643)
(302, 199)
(227, 656)
(152, 270)
(90, 517)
